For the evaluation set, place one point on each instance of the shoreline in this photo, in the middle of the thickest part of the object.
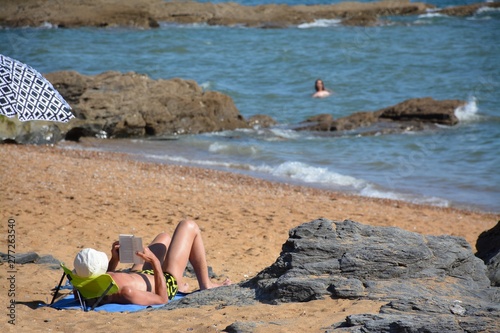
(65, 200)
(87, 144)
(227, 176)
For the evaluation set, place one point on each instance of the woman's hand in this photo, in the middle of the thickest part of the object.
(115, 253)
(148, 256)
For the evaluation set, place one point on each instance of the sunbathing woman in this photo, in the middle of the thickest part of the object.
(165, 258)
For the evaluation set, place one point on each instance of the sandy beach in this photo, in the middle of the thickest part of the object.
(64, 200)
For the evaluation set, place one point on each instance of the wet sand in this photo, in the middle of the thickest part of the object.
(64, 200)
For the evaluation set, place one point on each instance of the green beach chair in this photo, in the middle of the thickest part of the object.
(88, 288)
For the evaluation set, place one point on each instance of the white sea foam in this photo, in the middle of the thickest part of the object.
(182, 25)
(309, 174)
(487, 9)
(285, 133)
(206, 85)
(297, 171)
(304, 173)
(321, 23)
(187, 161)
(467, 112)
(219, 147)
(374, 192)
(47, 25)
(431, 14)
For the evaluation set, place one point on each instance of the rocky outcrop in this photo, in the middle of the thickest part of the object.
(429, 283)
(412, 114)
(131, 105)
(148, 13)
(119, 105)
(67, 14)
(488, 249)
(467, 10)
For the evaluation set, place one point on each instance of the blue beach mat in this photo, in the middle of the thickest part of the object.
(70, 303)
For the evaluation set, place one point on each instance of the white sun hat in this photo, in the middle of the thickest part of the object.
(89, 263)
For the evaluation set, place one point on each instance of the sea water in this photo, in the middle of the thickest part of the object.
(272, 72)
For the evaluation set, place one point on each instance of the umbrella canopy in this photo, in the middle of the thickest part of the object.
(26, 93)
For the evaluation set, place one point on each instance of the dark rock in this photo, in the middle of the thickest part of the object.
(34, 132)
(222, 296)
(431, 283)
(261, 121)
(363, 20)
(349, 258)
(354, 121)
(49, 260)
(413, 114)
(488, 249)
(19, 258)
(30, 258)
(241, 327)
(425, 110)
(26, 258)
(321, 122)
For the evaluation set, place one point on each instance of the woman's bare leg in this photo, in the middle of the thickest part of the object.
(187, 245)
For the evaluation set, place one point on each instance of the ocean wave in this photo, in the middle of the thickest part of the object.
(431, 14)
(185, 25)
(271, 134)
(194, 162)
(320, 23)
(305, 173)
(281, 133)
(487, 9)
(207, 85)
(468, 112)
(374, 192)
(219, 147)
(47, 25)
(300, 173)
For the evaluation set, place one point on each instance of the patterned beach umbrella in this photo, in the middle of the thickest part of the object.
(26, 93)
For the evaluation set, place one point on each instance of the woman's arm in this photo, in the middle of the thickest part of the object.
(115, 257)
(160, 292)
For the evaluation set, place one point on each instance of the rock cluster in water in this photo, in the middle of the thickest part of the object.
(131, 105)
(149, 13)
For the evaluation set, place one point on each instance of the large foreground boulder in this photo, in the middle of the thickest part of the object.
(429, 283)
(119, 105)
(488, 249)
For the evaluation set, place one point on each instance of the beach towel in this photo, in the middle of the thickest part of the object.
(70, 303)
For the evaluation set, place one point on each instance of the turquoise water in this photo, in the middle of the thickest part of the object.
(272, 71)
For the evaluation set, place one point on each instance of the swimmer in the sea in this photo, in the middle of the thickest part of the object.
(321, 92)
